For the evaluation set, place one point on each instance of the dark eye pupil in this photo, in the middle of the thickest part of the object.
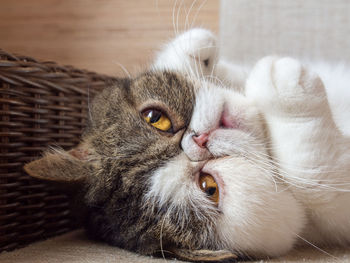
(210, 191)
(154, 116)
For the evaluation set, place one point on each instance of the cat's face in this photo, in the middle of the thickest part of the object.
(176, 164)
(225, 147)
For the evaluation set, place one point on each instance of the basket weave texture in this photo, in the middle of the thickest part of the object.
(41, 104)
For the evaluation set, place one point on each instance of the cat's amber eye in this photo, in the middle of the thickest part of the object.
(209, 186)
(157, 119)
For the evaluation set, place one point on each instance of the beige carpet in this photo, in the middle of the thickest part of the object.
(74, 247)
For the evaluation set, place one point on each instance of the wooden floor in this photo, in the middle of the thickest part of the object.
(99, 34)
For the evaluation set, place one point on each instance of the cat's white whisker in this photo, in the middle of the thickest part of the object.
(173, 18)
(302, 183)
(316, 247)
(300, 169)
(123, 68)
(161, 236)
(197, 12)
(178, 15)
(187, 25)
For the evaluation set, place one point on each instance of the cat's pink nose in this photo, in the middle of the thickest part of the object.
(201, 140)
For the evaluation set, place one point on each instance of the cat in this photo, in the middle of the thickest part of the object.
(204, 160)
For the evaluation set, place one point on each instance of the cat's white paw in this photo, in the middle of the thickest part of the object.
(284, 84)
(199, 44)
(194, 51)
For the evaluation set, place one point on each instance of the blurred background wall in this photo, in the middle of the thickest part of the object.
(99, 34)
(312, 29)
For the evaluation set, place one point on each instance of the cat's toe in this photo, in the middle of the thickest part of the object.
(295, 81)
(286, 74)
(298, 88)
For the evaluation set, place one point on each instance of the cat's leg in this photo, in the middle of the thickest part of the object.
(313, 155)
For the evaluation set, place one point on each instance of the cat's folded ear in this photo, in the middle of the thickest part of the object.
(62, 166)
(204, 255)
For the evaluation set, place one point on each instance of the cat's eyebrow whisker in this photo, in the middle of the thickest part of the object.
(173, 18)
(197, 12)
(187, 25)
(178, 15)
(123, 68)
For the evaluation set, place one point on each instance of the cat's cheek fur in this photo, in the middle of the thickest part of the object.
(172, 182)
(173, 190)
(259, 216)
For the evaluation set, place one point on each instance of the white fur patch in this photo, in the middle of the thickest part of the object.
(193, 53)
(289, 141)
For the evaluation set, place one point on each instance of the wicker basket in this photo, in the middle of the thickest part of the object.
(41, 104)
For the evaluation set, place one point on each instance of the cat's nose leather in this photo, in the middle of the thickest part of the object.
(201, 140)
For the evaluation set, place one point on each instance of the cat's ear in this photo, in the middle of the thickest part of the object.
(204, 255)
(62, 166)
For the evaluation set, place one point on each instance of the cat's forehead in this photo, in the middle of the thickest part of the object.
(173, 90)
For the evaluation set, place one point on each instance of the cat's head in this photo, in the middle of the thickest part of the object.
(170, 163)
(134, 133)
